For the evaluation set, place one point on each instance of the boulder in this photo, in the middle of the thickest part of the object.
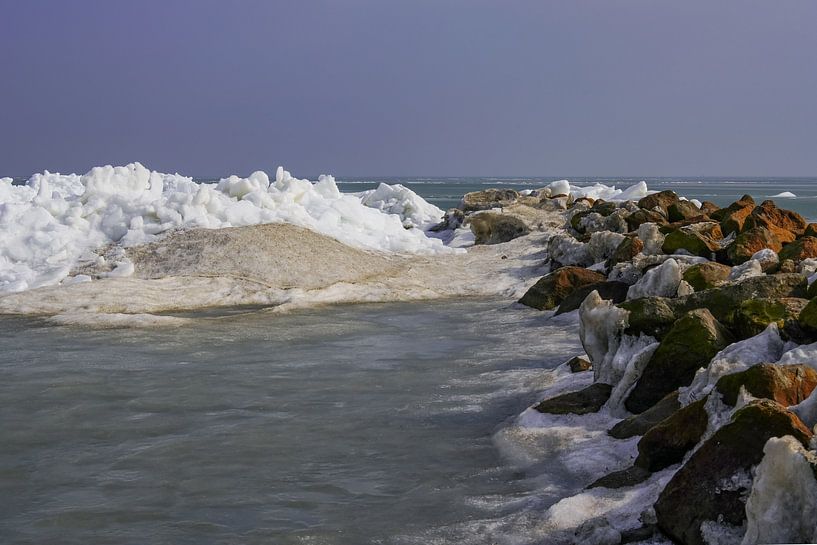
(713, 484)
(651, 316)
(668, 442)
(487, 199)
(808, 317)
(709, 208)
(750, 242)
(723, 301)
(588, 400)
(629, 248)
(787, 266)
(752, 316)
(641, 216)
(551, 289)
(611, 290)
(452, 219)
(690, 241)
(605, 208)
(734, 216)
(631, 476)
(493, 228)
(661, 200)
(810, 230)
(706, 275)
(682, 210)
(578, 364)
(690, 344)
(786, 224)
(639, 424)
(785, 384)
(804, 248)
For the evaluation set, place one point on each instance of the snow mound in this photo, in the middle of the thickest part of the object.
(54, 221)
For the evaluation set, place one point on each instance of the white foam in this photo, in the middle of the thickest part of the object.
(54, 220)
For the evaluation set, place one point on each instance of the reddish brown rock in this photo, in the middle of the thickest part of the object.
(552, 289)
(786, 224)
(734, 216)
(800, 249)
(749, 242)
(662, 200)
(786, 384)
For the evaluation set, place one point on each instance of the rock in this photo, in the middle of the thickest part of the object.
(604, 208)
(713, 483)
(668, 442)
(750, 242)
(552, 289)
(689, 345)
(785, 384)
(754, 315)
(578, 364)
(639, 424)
(808, 317)
(706, 275)
(723, 301)
(588, 400)
(661, 200)
(640, 217)
(651, 316)
(631, 476)
(804, 248)
(453, 218)
(786, 224)
(627, 250)
(708, 208)
(700, 240)
(602, 245)
(734, 216)
(610, 290)
(682, 210)
(787, 266)
(493, 228)
(810, 230)
(487, 199)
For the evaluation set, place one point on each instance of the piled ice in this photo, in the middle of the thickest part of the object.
(599, 191)
(54, 220)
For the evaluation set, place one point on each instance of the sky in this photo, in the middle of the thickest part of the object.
(415, 88)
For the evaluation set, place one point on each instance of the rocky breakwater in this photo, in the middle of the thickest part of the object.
(699, 324)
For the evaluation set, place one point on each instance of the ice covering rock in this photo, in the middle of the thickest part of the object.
(805, 353)
(746, 270)
(807, 410)
(54, 220)
(782, 506)
(601, 324)
(765, 347)
(662, 281)
(566, 250)
(652, 238)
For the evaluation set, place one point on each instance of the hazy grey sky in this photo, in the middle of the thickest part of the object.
(437, 87)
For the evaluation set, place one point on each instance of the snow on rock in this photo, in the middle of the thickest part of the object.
(625, 367)
(662, 281)
(602, 245)
(568, 251)
(652, 238)
(601, 325)
(54, 221)
(782, 506)
(807, 410)
(397, 199)
(805, 353)
(764, 347)
(746, 270)
(807, 266)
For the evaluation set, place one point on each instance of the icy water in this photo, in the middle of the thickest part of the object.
(346, 425)
(447, 192)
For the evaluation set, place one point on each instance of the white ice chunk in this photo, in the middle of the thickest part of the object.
(661, 281)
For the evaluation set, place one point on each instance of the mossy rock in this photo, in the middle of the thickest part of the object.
(493, 228)
(641, 216)
(808, 317)
(704, 276)
(785, 384)
(689, 345)
(588, 400)
(487, 199)
(652, 316)
(668, 442)
(611, 290)
(639, 424)
(754, 315)
(696, 493)
(690, 240)
(605, 208)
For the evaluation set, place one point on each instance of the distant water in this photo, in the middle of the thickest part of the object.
(352, 425)
(447, 192)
